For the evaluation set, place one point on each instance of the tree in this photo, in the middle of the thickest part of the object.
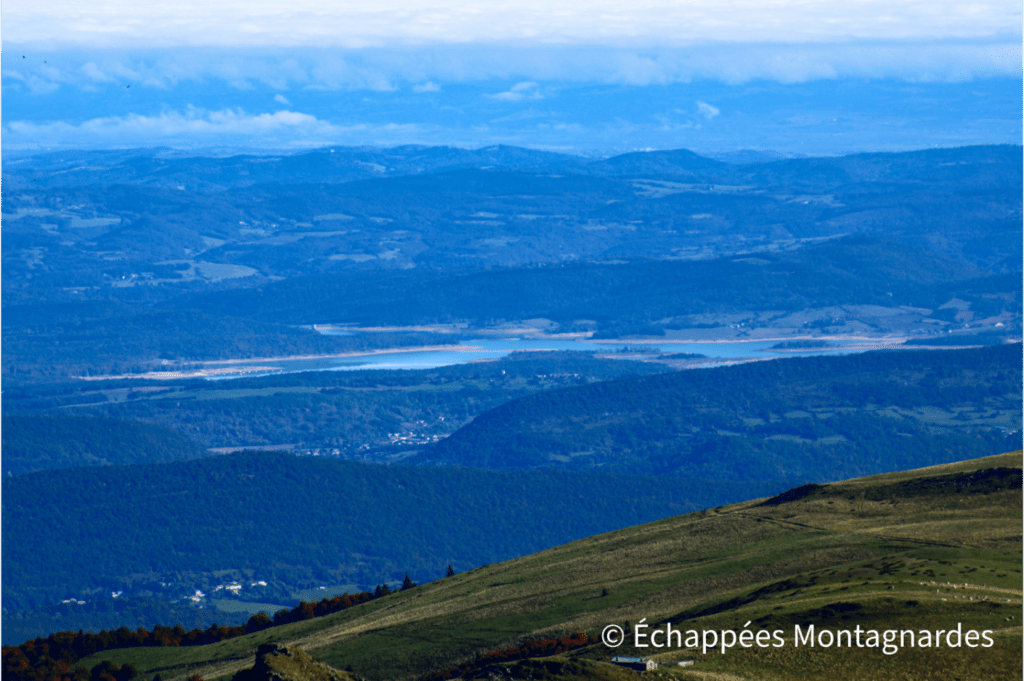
(105, 671)
(407, 583)
(258, 622)
(127, 673)
(450, 573)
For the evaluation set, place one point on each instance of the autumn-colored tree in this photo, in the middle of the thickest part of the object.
(104, 671)
(52, 658)
(258, 622)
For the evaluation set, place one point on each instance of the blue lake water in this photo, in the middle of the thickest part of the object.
(489, 348)
(721, 350)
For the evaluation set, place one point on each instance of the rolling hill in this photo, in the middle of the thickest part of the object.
(810, 418)
(40, 442)
(919, 551)
(296, 523)
(176, 248)
(178, 226)
(852, 271)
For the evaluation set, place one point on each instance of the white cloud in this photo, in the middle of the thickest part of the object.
(393, 23)
(95, 74)
(706, 110)
(336, 71)
(196, 127)
(281, 99)
(428, 69)
(519, 91)
(38, 82)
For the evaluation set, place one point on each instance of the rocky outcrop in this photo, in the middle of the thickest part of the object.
(276, 662)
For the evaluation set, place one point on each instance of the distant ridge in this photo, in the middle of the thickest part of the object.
(41, 442)
(675, 162)
(749, 156)
(732, 423)
(331, 165)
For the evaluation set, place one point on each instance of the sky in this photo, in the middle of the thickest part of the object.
(798, 77)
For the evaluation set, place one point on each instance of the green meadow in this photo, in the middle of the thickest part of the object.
(916, 550)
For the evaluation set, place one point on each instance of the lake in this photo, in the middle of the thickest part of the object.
(491, 348)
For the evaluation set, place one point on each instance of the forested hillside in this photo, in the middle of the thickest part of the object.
(852, 271)
(873, 557)
(40, 442)
(367, 414)
(110, 615)
(814, 418)
(54, 341)
(298, 522)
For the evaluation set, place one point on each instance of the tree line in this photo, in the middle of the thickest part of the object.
(53, 658)
(315, 513)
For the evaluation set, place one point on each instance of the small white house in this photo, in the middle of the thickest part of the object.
(639, 664)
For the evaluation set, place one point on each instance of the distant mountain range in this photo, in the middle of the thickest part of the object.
(174, 169)
(637, 242)
(170, 220)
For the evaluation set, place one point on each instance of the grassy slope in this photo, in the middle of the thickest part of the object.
(880, 543)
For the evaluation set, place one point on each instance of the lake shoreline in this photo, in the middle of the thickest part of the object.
(491, 349)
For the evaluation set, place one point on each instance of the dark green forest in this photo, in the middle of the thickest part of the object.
(812, 418)
(60, 340)
(53, 655)
(39, 442)
(347, 411)
(304, 521)
(855, 270)
(111, 614)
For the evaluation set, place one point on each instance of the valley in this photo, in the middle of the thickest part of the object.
(252, 387)
(916, 244)
(916, 550)
(690, 439)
